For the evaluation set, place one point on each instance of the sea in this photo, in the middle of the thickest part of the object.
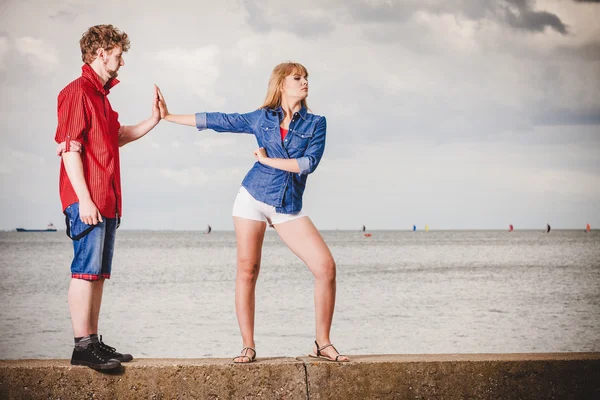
(171, 294)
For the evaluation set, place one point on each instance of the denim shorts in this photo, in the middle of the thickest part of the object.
(93, 253)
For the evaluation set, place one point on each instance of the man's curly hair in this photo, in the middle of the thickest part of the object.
(102, 36)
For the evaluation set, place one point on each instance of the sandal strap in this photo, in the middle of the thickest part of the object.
(326, 346)
(319, 349)
(245, 349)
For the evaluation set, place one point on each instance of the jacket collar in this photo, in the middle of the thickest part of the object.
(89, 74)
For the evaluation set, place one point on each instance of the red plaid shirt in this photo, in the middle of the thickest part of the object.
(87, 123)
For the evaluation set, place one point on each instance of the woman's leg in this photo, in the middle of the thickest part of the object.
(249, 236)
(303, 238)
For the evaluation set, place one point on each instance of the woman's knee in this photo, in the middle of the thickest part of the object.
(326, 270)
(247, 269)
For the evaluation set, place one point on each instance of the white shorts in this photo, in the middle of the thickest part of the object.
(246, 206)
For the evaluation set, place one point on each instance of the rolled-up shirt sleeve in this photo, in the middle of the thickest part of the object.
(221, 122)
(73, 123)
(201, 121)
(314, 152)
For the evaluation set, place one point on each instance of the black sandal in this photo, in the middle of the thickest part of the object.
(245, 351)
(324, 357)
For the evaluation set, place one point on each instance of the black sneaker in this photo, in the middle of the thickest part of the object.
(91, 356)
(111, 352)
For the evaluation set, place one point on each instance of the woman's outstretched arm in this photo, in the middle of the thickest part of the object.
(218, 122)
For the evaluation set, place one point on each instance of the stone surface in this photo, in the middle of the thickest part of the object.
(447, 376)
(465, 376)
(282, 378)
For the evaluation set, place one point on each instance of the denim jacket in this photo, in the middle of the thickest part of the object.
(305, 141)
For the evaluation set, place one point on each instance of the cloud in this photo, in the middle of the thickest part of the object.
(381, 11)
(433, 105)
(308, 22)
(4, 47)
(200, 176)
(522, 16)
(198, 70)
(214, 144)
(64, 16)
(37, 48)
(16, 162)
(587, 52)
(570, 117)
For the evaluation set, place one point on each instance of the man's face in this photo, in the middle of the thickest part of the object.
(113, 60)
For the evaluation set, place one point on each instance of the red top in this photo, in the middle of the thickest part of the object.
(85, 118)
(283, 133)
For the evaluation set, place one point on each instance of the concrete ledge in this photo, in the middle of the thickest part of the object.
(280, 378)
(465, 376)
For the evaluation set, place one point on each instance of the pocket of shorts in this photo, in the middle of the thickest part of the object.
(76, 228)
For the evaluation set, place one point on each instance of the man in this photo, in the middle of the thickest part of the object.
(89, 136)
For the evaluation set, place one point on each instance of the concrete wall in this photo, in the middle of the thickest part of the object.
(476, 376)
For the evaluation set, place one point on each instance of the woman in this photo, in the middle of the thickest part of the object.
(291, 143)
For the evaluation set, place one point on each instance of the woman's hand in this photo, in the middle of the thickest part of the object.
(162, 104)
(260, 154)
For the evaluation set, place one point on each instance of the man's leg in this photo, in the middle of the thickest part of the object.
(107, 256)
(80, 306)
(96, 302)
(83, 299)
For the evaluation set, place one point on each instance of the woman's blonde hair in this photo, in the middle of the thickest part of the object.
(273, 99)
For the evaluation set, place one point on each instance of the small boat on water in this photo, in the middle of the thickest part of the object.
(510, 228)
(548, 228)
(49, 228)
(426, 228)
(587, 228)
(208, 230)
(414, 228)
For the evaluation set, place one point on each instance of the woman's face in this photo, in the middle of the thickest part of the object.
(295, 86)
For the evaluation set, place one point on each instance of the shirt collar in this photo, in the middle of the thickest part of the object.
(88, 73)
(302, 112)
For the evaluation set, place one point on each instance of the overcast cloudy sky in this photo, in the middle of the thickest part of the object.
(460, 114)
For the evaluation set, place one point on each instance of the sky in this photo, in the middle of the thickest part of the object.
(459, 114)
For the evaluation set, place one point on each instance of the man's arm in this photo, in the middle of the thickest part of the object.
(132, 133)
(88, 212)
